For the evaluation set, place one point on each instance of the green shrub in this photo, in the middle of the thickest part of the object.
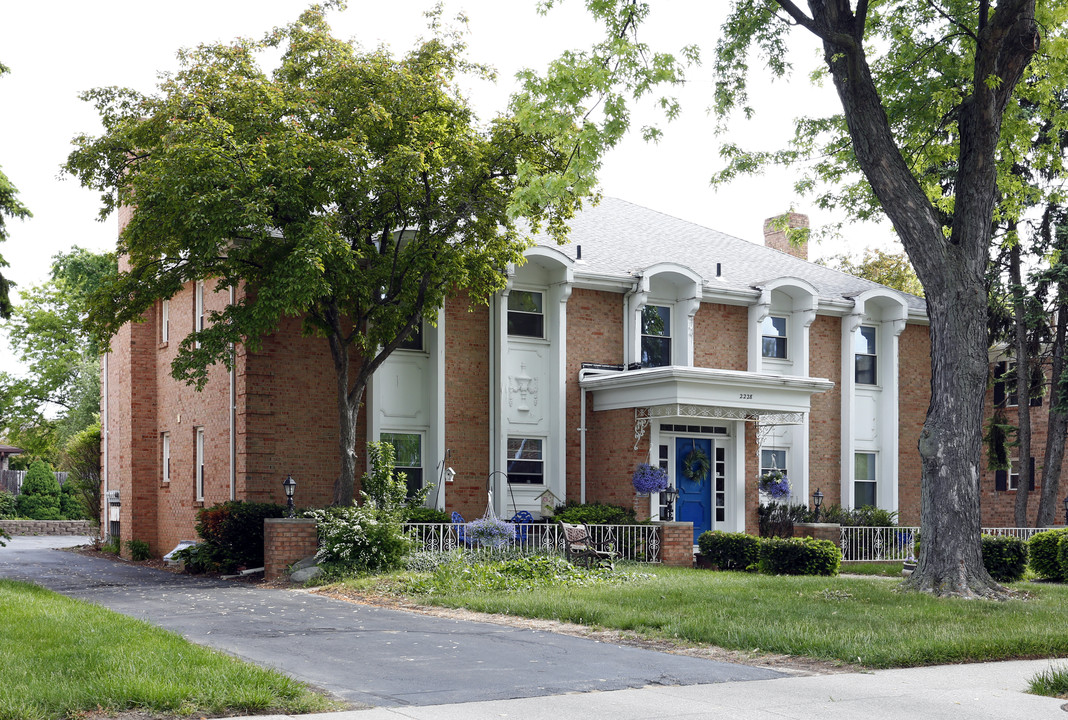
(1042, 549)
(1005, 558)
(777, 519)
(1062, 555)
(203, 558)
(139, 550)
(798, 556)
(233, 530)
(8, 504)
(362, 538)
(594, 514)
(39, 496)
(423, 514)
(71, 502)
(729, 551)
(113, 545)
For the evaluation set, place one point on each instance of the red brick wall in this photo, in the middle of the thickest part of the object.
(467, 373)
(676, 543)
(914, 396)
(825, 418)
(720, 337)
(285, 541)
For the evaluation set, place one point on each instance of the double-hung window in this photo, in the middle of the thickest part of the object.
(864, 482)
(165, 321)
(656, 336)
(198, 309)
(526, 461)
(773, 337)
(526, 314)
(867, 362)
(772, 460)
(165, 464)
(198, 467)
(414, 341)
(408, 458)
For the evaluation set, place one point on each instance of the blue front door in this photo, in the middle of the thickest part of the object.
(693, 466)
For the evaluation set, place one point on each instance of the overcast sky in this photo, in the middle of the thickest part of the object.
(57, 49)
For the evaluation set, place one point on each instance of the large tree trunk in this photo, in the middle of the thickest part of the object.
(1023, 388)
(951, 270)
(1049, 499)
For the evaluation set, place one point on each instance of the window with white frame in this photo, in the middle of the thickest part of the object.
(408, 457)
(772, 459)
(165, 460)
(864, 480)
(656, 336)
(526, 461)
(663, 463)
(165, 321)
(199, 464)
(198, 309)
(526, 314)
(773, 337)
(414, 341)
(866, 363)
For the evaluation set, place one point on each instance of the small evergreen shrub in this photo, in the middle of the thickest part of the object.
(729, 550)
(423, 514)
(798, 556)
(1042, 551)
(39, 496)
(594, 514)
(138, 549)
(71, 502)
(1005, 558)
(8, 504)
(1062, 555)
(233, 530)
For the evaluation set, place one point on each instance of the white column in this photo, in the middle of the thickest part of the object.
(850, 323)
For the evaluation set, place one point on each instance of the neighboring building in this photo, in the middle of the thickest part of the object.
(646, 339)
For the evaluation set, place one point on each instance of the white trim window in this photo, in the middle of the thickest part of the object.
(866, 363)
(408, 457)
(165, 321)
(526, 314)
(198, 468)
(198, 310)
(526, 461)
(773, 337)
(772, 459)
(656, 336)
(414, 341)
(165, 460)
(865, 485)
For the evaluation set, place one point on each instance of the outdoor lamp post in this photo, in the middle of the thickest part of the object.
(668, 495)
(817, 500)
(289, 485)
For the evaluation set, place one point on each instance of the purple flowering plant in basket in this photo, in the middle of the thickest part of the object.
(775, 484)
(649, 479)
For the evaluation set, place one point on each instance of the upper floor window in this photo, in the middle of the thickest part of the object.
(408, 458)
(526, 461)
(656, 336)
(166, 449)
(198, 309)
(526, 316)
(414, 341)
(864, 482)
(773, 337)
(165, 321)
(198, 466)
(1005, 385)
(867, 366)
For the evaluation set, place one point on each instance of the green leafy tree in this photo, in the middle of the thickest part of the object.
(59, 392)
(81, 460)
(351, 188)
(886, 268)
(39, 495)
(931, 124)
(10, 207)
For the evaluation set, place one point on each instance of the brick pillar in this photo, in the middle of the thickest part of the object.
(819, 531)
(285, 541)
(676, 543)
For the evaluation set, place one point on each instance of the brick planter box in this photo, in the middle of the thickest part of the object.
(46, 527)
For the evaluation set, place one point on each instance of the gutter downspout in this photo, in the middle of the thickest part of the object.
(105, 427)
(233, 412)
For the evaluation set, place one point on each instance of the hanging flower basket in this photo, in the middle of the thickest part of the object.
(490, 532)
(775, 484)
(649, 479)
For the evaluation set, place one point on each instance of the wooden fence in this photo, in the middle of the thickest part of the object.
(11, 480)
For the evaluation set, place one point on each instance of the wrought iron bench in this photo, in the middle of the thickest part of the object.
(581, 548)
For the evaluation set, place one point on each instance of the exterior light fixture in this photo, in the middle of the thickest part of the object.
(668, 496)
(817, 500)
(290, 485)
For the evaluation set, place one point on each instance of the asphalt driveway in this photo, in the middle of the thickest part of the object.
(364, 655)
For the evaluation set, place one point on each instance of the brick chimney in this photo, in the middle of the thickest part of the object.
(775, 238)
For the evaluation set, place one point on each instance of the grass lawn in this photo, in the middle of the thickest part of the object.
(885, 569)
(60, 657)
(866, 621)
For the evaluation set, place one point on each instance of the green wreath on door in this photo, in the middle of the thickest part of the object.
(696, 466)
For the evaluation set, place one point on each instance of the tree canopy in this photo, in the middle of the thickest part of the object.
(10, 207)
(348, 187)
(886, 268)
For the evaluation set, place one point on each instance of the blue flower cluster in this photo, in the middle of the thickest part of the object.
(490, 531)
(649, 479)
(775, 484)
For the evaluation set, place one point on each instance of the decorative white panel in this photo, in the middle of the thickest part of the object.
(865, 418)
(404, 386)
(525, 386)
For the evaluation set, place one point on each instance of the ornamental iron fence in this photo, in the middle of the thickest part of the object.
(889, 544)
(640, 543)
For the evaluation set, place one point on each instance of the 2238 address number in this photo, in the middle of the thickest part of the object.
(745, 396)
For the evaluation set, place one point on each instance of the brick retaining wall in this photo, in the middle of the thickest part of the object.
(676, 543)
(46, 527)
(819, 531)
(285, 541)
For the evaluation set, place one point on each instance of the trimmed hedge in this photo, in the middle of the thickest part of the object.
(729, 550)
(594, 514)
(798, 556)
(1005, 558)
(39, 497)
(1043, 550)
(1062, 555)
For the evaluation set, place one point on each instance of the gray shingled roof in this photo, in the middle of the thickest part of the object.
(618, 238)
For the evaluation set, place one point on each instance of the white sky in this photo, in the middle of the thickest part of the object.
(57, 49)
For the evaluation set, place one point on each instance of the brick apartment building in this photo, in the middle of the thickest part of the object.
(646, 339)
